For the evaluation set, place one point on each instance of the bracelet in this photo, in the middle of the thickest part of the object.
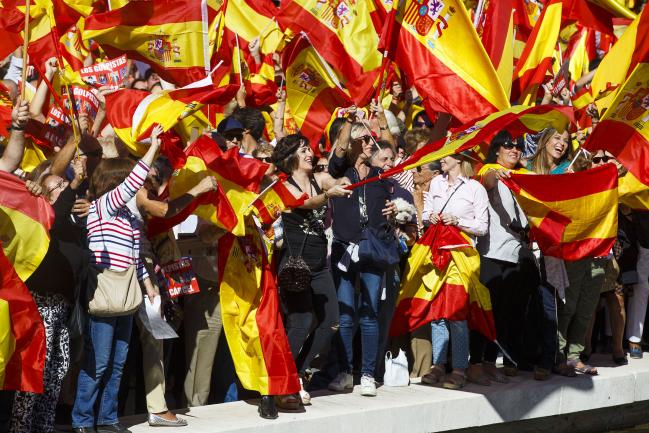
(16, 128)
(326, 194)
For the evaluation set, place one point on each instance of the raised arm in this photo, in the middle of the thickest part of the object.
(42, 91)
(342, 142)
(161, 209)
(13, 153)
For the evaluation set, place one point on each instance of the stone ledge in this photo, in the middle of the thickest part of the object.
(422, 409)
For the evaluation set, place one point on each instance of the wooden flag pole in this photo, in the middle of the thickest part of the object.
(25, 45)
(236, 37)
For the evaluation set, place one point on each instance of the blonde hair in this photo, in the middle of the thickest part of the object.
(541, 162)
(466, 168)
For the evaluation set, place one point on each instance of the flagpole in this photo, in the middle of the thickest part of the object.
(236, 37)
(331, 73)
(575, 158)
(478, 14)
(25, 45)
(371, 137)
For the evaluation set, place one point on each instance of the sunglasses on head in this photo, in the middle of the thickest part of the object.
(511, 144)
(319, 168)
(604, 159)
(232, 136)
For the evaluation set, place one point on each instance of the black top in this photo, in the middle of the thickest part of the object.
(67, 259)
(641, 220)
(346, 211)
(310, 224)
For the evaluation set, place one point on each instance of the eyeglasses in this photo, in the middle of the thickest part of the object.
(319, 168)
(266, 159)
(604, 159)
(233, 136)
(510, 145)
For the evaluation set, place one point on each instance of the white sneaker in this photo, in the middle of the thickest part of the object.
(304, 396)
(368, 386)
(342, 382)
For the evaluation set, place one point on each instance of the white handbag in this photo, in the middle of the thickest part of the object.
(396, 370)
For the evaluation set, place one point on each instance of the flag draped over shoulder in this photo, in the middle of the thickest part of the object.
(536, 58)
(437, 48)
(631, 49)
(170, 35)
(313, 91)
(344, 35)
(442, 281)
(572, 216)
(624, 128)
(252, 322)
(518, 120)
(25, 222)
(239, 179)
(274, 200)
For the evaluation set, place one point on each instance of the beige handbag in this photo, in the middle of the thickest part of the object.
(117, 293)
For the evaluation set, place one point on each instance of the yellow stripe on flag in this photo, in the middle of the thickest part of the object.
(7, 340)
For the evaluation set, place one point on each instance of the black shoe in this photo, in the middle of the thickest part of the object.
(267, 409)
(622, 360)
(113, 428)
(84, 430)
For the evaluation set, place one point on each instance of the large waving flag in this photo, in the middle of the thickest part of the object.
(496, 32)
(313, 91)
(238, 178)
(518, 120)
(623, 130)
(439, 51)
(171, 35)
(25, 222)
(536, 58)
(442, 280)
(589, 15)
(571, 216)
(344, 35)
(631, 49)
(252, 322)
(616, 8)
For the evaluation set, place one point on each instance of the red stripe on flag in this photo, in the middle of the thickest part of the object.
(14, 195)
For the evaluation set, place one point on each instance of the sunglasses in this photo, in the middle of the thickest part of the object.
(233, 136)
(266, 159)
(319, 168)
(604, 159)
(95, 153)
(365, 138)
(510, 145)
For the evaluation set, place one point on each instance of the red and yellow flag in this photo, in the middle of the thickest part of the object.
(25, 222)
(274, 200)
(588, 14)
(616, 7)
(343, 34)
(623, 130)
(442, 281)
(572, 216)
(313, 91)
(252, 322)
(631, 49)
(496, 30)
(171, 35)
(536, 58)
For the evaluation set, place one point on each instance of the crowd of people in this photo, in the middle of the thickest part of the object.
(550, 315)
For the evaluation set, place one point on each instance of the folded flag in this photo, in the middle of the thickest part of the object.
(274, 200)
(442, 280)
(252, 321)
(572, 216)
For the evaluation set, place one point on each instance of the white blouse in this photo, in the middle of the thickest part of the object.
(469, 204)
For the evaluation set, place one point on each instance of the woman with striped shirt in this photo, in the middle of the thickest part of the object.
(114, 240)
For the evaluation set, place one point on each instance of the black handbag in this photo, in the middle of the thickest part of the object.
(295, 276)
(377, 247)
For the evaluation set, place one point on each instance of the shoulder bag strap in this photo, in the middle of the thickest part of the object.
(451, 196)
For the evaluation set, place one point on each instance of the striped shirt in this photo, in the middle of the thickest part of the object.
(113, 230)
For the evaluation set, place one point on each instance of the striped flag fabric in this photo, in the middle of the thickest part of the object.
(616, 8)
(572, 216)
(344, 35)
(589, 15)
(250, 311)
(313, 91)
(25, 222)
(170, 35)
(274, 200)
(442, 280)
(624, 128)
(536, 59)
(496, 31)
(633, 193)
(440, 53)
(631, 49)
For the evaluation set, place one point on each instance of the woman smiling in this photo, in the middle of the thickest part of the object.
(553, 153)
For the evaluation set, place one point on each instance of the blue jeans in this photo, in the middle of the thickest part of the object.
(460, 348)
(365, 306)
(106, 346)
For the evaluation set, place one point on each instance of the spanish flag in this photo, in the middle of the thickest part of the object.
(631, 49)
(571, 216)
(274, 200)
(442, 281)
(313, 91)
(344, 35)
(170, 35)
(623, 129)
(439, 51)
(252, 322)
(588, 15)
(633, 193)
(536, 59)
(616, 7)
(496, 31)
(120, 108)
(238, 178)
(25, 222)
(518, 120)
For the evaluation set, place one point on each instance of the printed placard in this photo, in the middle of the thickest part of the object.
(180, 278)
(111, 73)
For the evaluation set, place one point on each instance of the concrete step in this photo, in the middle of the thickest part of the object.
(419, 408)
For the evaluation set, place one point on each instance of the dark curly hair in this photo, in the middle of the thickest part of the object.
(499, 140)
(285, 153)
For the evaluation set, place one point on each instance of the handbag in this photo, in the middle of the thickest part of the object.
(379, 248)
(295, 276)
(117, 293)
(396, 370)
